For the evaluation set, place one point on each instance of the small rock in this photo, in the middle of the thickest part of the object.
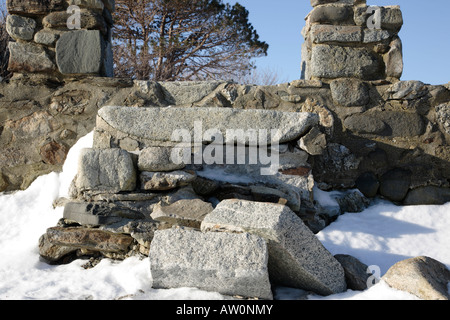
(162, 181)
(395, 183)
(356, 274)
(368, 184)
(156, 159)
(20, 28)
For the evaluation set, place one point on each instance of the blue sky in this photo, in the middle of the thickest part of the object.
(425, 35)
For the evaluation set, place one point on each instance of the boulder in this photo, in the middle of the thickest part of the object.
(428, 195)
(108, 170)
(296, 257)
(231, 264)
(422, 276)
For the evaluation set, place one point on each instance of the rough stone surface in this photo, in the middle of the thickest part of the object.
(335, 14)
(80, 52)
(289, 125)
(29, 58)
(443, 116)
(406, 90)
(231, 264)
(33, 6)
(424, 277)
(350, 92)
(314, 142)
(329, 33)
(186, 213)
(297, 258)
(429, 195)
(395, 184)
(163, 181)
(156, 159)
(20, 28)
(343, 62)
(106, 170)
(356, 274)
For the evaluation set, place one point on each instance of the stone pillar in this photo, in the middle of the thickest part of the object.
(63, 38)
(348, 39)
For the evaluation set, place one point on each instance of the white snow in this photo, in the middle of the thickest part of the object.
(380, 236)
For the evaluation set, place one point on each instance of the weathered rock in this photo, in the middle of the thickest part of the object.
(156, 159)
(443, 116)
(328, 33)
(391, 18)
(80, 52)
(186, 213)
(54, 153)
(231, 264)
(33, 6)
(429, 195)
(350, 92)
(109, 170)
(362, 123)
(375, 35)
(90, 239)
(175, 93)
(47, 37)
(395, 183)
(89, 20)
(95, 214)
(368, 184)
(289, 125)
(163, 181)
(356, 274)
(344, 62)
(406, 90)
(333, 14)
(393, 59)
(27, 57)
(91, 4)
(20, 28)
(297, 258)
(52, 252)
(424, 277)
(314, 142)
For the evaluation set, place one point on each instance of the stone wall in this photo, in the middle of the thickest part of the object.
(62, 38)
(348, 39)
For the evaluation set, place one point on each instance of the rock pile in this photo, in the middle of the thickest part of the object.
(61, 38)
(348, 39)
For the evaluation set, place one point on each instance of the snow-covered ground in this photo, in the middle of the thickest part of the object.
(380, 236)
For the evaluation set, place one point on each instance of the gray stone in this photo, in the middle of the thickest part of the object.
(364, 123)
(156, 159)
(393, 59)
(90, 20)
(20, 28)
(231, 264)
(163, 181)
(406, 90)
(110, 170)
(375, 35)
(186, 213)
(80, 52)
(332, 14)
(95, 214)
(188, 92)
(47, 37)
(297, 258)
(329, 33)
(424, 277)
(91, 4)
(315, 3)
(330, 61)
(314, 142)
(391, 18)
(289, 125)
(443, 116)
(29, 58)
(34, 7)
(429, 195)
(395, 183)
(350, 92)
(356, 274)
(401, 124)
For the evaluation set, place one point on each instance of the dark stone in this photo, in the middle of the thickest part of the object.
(368, 184)
(394, 184)
(356, 274)
(429, 195)
(33, 6)
(331, 14)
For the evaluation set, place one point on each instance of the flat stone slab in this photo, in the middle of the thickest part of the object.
(296, 257)
(159, 124)
(231, 264)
